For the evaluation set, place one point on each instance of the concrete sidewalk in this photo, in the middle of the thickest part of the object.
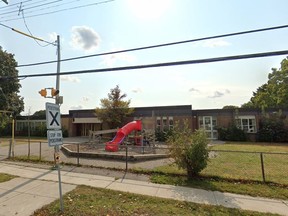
(36, 187)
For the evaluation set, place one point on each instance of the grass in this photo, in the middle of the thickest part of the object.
(5, 177)
(247, 166)
(256, 189)
(86, 201)
(236, 172)
(21, 140)
(226, 172)
(253, 147)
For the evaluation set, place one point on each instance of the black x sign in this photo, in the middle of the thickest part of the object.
(54, 118)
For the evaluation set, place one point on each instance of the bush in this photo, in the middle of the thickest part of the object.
(162, 136)
(272, 130)
(232, 133)
(189, 150)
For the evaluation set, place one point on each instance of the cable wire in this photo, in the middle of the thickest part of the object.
(165, 64)
(22, 11)
(159, 45)
(55, 11)
(31, 36)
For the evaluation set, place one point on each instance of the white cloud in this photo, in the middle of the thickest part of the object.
(85, 99)
(76, 107)
(110, 60)
(52, 36)
(193, 90)
(215, 43)
(218, 94)
(84, 38)
(137, 90)
(69, 78)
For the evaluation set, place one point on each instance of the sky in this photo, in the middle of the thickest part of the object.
(95, 26)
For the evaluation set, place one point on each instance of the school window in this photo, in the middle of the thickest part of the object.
(171, 122)
(165, 123)
(158, 123)
(247, 123)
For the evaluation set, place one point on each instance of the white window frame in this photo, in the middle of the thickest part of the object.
(250, 126)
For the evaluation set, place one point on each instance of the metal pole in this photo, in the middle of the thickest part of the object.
(29, 145)
(10, 148)
(262, 167)
(40, 151)
(13, 123)
(126, 157)
(78, 149)
(57, 102)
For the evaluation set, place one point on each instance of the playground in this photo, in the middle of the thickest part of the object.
(129, 143)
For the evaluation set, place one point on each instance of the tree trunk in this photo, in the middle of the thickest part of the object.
(190, 173)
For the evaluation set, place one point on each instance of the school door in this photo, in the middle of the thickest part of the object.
(209, 124)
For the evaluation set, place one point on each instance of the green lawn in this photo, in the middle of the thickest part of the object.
(254, 147)
(236, 172)
(247, 166)
(21, 140)
(86, 201)
(5, 177)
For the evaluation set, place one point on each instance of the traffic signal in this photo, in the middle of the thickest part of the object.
(54, 92)
(43, 92)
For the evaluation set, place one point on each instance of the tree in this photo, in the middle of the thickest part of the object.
(189, 150)
(9, 84)
(41, 114)
(274, 93)
(114, 109)
(230, 107)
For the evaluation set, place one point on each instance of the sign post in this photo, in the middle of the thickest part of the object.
(55, 138)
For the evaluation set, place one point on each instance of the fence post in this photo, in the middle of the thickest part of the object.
(10, 148)
(126, 157)
(262, 167)
(78, 151)
(40, 151)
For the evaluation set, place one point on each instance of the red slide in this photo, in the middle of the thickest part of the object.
(121, 133)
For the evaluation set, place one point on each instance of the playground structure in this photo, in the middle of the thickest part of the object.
(113, 145)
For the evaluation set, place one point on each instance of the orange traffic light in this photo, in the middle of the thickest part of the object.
(43, 92)
(54, 92)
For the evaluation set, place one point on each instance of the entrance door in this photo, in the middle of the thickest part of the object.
(209, 124)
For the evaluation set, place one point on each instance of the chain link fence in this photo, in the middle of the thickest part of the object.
(241, 165)
(244, 165)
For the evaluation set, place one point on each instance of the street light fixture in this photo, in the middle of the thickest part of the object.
(6, 1)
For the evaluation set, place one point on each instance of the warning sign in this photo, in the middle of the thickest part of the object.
(53, 116)
(54, 137)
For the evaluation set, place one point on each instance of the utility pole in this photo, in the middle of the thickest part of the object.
(58, 70)
(56, 148)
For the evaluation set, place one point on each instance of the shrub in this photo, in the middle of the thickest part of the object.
(162, 136)
(272, 130)
(231, 133)
(189, 150)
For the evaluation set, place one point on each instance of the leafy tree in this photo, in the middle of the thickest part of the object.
(274, 93)
(272, 128)
(189, 150)
(114, 109)
(9, 86)
(230, 107)
(41, 114)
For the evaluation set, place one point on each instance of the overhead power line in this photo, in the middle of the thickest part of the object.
(156, 65)
(7, 19)
(159, 45)
(27, 35)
